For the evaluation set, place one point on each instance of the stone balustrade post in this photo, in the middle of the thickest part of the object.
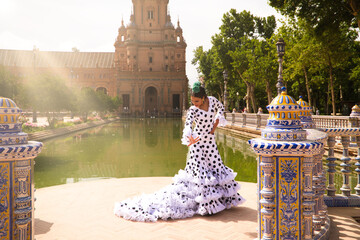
(353, 122)
(258, 121)
(346, 190)
(317, 190)
(320, 212)
(322, 188)
(354, 119)
(232, 119)
(244, 120)
(332, 199)
(357, 164)
(331, 190)
(16, 175)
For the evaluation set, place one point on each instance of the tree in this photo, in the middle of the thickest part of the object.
(302, 55)
(105, 103)
(50, 94)
(242, 59)
(266, 65)
(87, 101)
(207, 62)
(321, 14)
(241, 44)
(10, 85)
(241, 47)
(331, 22)
(90, 100)
(335, 51)
(355, 73)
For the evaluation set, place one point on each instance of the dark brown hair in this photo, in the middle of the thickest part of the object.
(199, 94)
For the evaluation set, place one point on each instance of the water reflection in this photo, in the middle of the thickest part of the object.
(151, 135)
(237, 155)
(130, 148)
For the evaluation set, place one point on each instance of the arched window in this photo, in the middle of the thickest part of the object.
(101, 89)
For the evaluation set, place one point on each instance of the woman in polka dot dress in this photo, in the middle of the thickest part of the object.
(205, 186)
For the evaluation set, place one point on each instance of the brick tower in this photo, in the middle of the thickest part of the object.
(150, 61)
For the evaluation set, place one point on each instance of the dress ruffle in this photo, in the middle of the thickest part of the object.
(184, 198)
(222, 119)
(186, 133)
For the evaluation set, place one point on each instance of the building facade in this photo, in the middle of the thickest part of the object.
(147, 70)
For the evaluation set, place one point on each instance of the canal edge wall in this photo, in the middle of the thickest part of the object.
(52, 133)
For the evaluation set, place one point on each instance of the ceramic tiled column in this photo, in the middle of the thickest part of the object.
(285, 173)
(16, 175)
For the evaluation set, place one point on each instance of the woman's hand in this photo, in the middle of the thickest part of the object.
(193, 140)
(215, 126)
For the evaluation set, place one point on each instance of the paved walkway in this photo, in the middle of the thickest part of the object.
(85, 211)
(344, 226)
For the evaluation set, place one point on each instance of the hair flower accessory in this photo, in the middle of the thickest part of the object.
(196, 87)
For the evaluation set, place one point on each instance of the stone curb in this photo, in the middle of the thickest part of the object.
(47, 134)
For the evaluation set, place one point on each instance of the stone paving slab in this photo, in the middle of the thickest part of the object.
(85, 211)
(343, 225)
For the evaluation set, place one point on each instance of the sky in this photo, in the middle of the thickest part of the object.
(91, 25)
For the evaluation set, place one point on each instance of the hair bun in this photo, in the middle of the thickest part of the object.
(196, 87)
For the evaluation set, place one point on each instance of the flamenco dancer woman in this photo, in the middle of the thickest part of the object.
(206, 186)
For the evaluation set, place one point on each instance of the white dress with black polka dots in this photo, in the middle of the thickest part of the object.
(205, 186)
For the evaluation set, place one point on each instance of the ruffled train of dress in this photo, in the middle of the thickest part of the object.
(184, 198)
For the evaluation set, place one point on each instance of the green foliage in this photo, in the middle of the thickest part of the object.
(89, 100)
(210, 69)
(355, 73)
(10, 86)
(242, 47)
(331, 23)
(50, 94)
(313, 63)
(321, 14)
(32, 127)
(321, 61)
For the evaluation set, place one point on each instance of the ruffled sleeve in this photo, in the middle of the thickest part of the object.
(187, 132)
(220, 112)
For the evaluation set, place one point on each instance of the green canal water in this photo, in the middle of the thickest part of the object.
(131, 148)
